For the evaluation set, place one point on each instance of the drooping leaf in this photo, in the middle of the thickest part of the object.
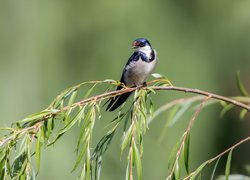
(226, 109)
(172, 156)
(177, 171)
(88, 165)
(137, 159)
(126, 138)
(214, 169)
(198, 170)
(19, 165)
(35, 116)
(69, 125)
(186, 152)
(38, 150)
(72, 98)
(183, 108)
(243, 113)
(80, 156)
(228, 164)
(89, 91)
(240, 85)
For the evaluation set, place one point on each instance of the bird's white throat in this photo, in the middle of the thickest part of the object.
(146, 49)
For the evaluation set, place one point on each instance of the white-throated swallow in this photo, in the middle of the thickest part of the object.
(139, 66)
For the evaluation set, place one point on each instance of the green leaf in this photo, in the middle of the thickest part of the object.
(35, 116)
(109, 80)
(174, 150)
(243, 113)
(19, 165)
(88, 165)
(228, 164)
(72, 98)
(49, 127)
(157, 75)
(177, 171)
(126, 138)
(177, 112)
(80, 156)
(215, 166)
(226, 109)
(137, 159)
(240, 85)
(127, 171)
(70, 124)
(198, 170)
(38, 150)
(186, 153)
(89, 91)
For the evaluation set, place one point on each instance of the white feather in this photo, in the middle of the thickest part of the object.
(137, 72)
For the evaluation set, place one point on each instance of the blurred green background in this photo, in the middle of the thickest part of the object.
(47, 46)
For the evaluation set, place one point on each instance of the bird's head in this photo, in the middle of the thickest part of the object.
(141, 44)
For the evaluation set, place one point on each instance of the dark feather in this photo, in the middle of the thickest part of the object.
(117, 101)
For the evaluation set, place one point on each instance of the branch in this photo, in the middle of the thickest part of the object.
(204, 93)
(38, 127)
(221, 154)
(171, 88)
(185, 135)
(125, 90)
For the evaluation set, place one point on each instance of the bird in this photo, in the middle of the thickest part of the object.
(139, 66)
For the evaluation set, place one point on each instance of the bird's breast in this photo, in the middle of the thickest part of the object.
(137, 72)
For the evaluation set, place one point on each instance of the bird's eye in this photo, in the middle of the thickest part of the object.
(142, 44)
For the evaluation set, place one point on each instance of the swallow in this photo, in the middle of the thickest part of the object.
(139, 66)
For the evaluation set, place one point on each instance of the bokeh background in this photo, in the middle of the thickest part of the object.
(47, 46)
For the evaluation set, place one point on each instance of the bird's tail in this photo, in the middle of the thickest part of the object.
(117, 101)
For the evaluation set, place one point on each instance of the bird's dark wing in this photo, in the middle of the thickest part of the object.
(117, 101)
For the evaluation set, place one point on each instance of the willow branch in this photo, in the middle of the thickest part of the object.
(221, 154)
(125, 90)
(186, 133)
(170, 88)
(204, 93)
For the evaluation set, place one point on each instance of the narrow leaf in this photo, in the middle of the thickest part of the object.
(89, 91)
(240, 85)
(243, 114)
(186, 153)
(184, 107)
(226, 109)
(69, 125)
(174, 150)
(228, 165)
(157, 75)
(177, 171)
(35, 116)
(215, 166)
(198, 170)
(38, 150)
(19, 164)
(72, 98)
(80, 156)
(126, 137)
(137, 162)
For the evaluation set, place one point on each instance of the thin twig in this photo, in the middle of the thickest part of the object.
(222, 153)
(204, 93)
(185, 134)
(167, 106)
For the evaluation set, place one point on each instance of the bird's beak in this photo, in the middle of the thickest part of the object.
(135, 44)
